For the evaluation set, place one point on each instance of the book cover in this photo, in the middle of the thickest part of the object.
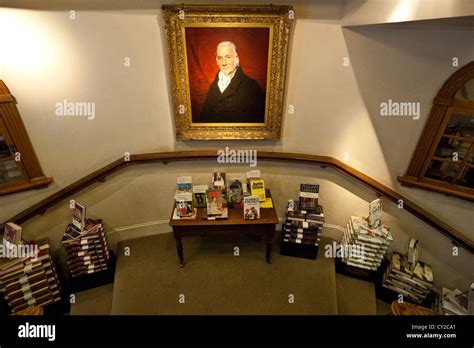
(216, 204)
(251, 207)
(218, 181)
(184, 204)
(308, 199)
(184, 184)
(12, 235)
(199, 196)
(79, 216)
(252, 175)
(257, 188)
(235, 193)
(375, 213)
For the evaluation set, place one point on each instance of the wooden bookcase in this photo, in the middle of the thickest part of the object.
(19, 167)
(444, 157)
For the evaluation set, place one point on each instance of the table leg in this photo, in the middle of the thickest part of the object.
(179, 248)
(270, 237)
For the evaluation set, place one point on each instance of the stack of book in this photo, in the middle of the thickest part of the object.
(86, 251)
(31, 280)
(365, 247)
(454, 302)
(414, 282)
(302, 230)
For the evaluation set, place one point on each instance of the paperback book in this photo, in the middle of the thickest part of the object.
(257, 188)
(375, 213)
(199, 196)
(251, 207)
(184, 204)
(218, 181)
(216, 204)
(184, 184)
(235, 193)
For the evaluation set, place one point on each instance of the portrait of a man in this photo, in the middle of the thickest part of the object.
(233, 96)
(227, 70)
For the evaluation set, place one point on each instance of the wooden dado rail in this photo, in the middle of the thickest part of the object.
(164, 157)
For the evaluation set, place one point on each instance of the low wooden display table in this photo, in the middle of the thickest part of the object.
(234, 225)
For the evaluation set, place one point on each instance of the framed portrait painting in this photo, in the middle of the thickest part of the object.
(227, 69)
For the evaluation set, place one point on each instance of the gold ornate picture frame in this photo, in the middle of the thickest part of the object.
(227, 69)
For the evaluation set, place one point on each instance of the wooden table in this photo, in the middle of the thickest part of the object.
(234, 225)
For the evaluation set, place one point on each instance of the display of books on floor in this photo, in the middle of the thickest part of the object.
(87, 250)
(366, 240)
(31, 280)
(455, 302)
(301, 231)
(413, 281)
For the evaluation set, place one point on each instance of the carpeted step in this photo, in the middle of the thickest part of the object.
(214, 281)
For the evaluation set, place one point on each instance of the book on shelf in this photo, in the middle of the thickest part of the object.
(257, 188)
(199, 196)
(251, 207)
(184, 204)
(218, 181)
(184, 184)
(308, 197)
(12, 235)
(235, 192)
(79, 216)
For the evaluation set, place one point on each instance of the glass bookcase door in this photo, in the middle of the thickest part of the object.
(10, 169)
(453, 158)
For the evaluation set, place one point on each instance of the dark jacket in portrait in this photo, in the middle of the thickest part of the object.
(242, 101)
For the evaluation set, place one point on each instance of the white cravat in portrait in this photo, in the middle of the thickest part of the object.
(224, 80)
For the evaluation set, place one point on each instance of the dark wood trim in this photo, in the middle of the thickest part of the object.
(433, 185)
(20, 141)
(445, 101)
(324, 161)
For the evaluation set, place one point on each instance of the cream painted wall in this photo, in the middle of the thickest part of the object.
(52, 58)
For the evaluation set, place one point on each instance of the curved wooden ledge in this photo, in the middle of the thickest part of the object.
(324, 161)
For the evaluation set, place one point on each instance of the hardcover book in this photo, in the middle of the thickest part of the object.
(184, 184)
(375, 213)
(257, 188)
(309, 194)
(79, 216)
(12, 235)
(251, 207)
(218, 181)
(199, 196)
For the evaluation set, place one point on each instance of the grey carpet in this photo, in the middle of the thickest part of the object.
(214, 281)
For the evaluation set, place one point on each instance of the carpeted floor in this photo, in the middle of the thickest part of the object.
(353, 296)
(214, 281)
